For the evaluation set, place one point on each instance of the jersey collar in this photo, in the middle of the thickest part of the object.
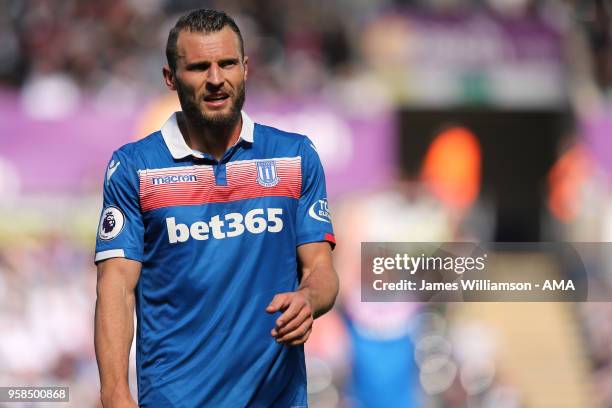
(178, 147)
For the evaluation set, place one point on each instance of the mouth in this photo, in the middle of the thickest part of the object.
(216, 99)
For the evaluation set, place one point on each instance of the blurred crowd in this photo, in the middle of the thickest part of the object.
(120, 43)
(117, 46)
(361, 354)
(47, 285)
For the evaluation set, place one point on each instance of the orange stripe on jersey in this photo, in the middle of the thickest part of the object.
(195, 185)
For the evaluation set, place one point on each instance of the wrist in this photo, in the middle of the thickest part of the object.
(307, 292)
(115, 395)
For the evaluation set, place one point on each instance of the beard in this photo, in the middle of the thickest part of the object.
(192, 110)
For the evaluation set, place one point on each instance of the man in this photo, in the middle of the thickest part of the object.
(217, 230)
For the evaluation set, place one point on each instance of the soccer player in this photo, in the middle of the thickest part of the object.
(216, 229)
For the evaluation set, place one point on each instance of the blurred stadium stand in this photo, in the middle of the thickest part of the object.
(378, 85)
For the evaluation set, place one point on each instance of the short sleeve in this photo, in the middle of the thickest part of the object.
(313, 217)
(121, 229)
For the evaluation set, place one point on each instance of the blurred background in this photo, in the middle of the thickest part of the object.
(436, 120)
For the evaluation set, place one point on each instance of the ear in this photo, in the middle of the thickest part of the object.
(246, 67)
(169, 78)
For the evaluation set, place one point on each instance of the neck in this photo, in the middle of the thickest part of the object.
(208, 139)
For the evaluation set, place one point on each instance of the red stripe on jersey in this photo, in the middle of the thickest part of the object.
(195, 185)
(330, 237)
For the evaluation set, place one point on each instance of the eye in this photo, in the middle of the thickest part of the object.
(228, 63)
(198, 67)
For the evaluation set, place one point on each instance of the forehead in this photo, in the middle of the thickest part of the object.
(201, 46)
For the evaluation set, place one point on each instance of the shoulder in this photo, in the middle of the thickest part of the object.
(269, 135)
(279, 143)
(136, 152)
(146, 144)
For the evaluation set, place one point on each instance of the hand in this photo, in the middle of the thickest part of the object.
(294, 326)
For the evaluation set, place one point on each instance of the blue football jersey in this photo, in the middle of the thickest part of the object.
(216, 240)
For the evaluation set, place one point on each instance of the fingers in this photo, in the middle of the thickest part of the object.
(296, 304)
(302, 339)
(299, 335)
(279, 302)
(294, 325)
(297, 311)
(293, 322)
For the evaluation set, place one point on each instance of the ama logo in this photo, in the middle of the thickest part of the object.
(320, 211)
(266, 173)
(111, 223)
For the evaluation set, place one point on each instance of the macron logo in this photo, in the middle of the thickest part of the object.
(112, 168)
(182, 178)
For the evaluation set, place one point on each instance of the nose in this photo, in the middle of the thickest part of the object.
(215, 76)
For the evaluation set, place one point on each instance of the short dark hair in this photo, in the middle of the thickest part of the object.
(200, 20)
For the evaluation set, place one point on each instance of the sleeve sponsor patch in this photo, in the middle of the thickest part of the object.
(320, 211)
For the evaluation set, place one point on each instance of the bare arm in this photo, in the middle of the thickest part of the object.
(319, 279)
(114, 328)
(315, 296)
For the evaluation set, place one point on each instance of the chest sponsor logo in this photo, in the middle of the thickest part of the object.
(230, 225)
(320, 211)
(178, 178)
(266, 173)
(111, 223)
